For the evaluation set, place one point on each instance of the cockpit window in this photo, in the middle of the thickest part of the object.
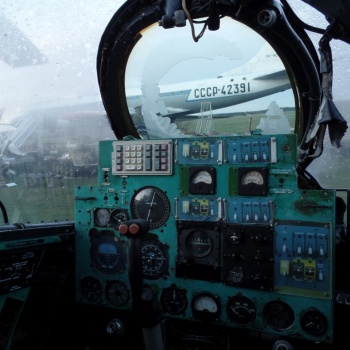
(51, 113)
(52, 116)
(223, 84)
(324, 168)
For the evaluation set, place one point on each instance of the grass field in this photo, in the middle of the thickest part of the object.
(40, 203)
(239, 124)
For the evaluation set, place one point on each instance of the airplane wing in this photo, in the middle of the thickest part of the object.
(25, 54)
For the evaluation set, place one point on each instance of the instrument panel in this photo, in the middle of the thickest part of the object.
(233, 241)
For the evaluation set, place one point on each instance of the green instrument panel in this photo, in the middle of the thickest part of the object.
(232, 242)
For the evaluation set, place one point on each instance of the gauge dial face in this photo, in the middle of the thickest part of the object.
(117, 293)
(314, 322)
(101, 217)
(252, 181)
(152, 204)
(155, 259)
(107, 255)
(91, 289)
(234, 236)
(118, 216)
(202, 180)
(252, 176)
(202, 176)
(174, 300)
(107, 252)
(241, 310)
(278, 315)
(199, 243)
(205, 306)
(205, 302)
(234, 275)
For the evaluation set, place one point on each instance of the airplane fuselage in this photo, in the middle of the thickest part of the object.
(221, 92)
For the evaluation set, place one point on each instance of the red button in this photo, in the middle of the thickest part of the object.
(134, 229)
(123, 229)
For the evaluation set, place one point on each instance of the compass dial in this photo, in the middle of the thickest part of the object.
(155, 259)
(152, 204)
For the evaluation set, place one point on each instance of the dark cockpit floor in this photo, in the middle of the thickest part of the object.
(52, 320)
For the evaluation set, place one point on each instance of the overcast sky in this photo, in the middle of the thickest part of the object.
(67, 34)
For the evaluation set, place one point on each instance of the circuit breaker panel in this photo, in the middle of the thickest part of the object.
(233, 241)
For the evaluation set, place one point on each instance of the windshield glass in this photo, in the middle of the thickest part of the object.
(326, 167)
(51, 112)
(219, 85)
(52, 115)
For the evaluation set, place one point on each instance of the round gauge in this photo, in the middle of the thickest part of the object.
(91, 289)
(252, 181)
(313, 322)
(152, 204)
(101, 217)
(202, 176)
(117, 293)
(234, 236)
(118, 216)
(241, 310)
(107, 256)
(155, 259)
(199, 243)
(278, 315)
(234, 275)
(174, 300)
(205, 306)
(107, 252)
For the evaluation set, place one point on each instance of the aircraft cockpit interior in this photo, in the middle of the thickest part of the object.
(173, 175)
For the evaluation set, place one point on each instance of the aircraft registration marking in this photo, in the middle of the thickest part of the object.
(219, 91)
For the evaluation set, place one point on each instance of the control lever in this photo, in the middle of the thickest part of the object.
(146, 306)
